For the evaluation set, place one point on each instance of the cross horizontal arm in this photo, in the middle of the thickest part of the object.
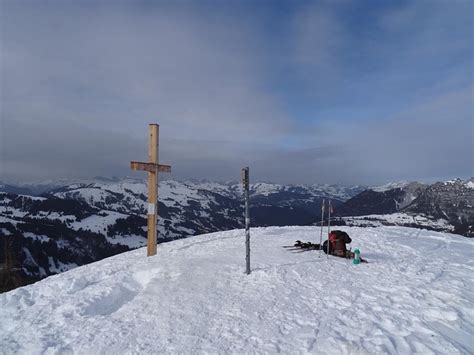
(151, 167)
(162, 168)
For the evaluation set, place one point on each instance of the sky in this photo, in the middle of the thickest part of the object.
(338, 92)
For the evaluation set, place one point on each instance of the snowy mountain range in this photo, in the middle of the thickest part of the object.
(76, 222)
(72, 223)
(449, 204)
(413, 297)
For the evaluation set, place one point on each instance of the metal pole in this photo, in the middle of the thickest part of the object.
(321, 235)
(245, 181)
(329, 227)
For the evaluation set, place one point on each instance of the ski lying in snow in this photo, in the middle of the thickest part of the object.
(290, 247)
(301, 250)
(303, 246)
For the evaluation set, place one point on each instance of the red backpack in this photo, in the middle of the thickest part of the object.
(337, 243)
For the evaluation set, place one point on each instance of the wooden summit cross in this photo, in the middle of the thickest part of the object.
(153, 168)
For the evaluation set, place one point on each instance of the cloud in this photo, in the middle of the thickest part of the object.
(125, 68)
(70, 68)
(395, 95)
(430, 139)
(327, 92)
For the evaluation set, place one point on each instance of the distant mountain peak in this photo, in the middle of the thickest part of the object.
(389, 186)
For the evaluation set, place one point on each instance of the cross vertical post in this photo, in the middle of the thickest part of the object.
(152, 190)
(153, 168)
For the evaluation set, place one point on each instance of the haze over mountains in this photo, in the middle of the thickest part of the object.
(56, 226)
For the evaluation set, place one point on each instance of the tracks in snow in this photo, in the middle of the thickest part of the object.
(415, 295)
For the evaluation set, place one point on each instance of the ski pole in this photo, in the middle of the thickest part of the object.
(329, 227)
(322, 223)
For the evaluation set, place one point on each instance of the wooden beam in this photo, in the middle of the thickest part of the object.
(152, 190)
(161, 168)
(164, 168)
(137, 165)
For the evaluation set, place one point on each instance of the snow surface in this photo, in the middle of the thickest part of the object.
(415, 296)
(132, 241)
(41, 238)
(265, 189)
(98, 223)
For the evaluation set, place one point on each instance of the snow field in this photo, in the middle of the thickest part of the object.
(399, 219)
(415, 296)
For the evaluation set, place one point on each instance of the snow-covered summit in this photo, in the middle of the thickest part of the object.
(390, 186)
(415, 296)
(467, 183)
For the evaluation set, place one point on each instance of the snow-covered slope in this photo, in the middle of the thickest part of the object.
(395, 219)
(452, 201)
(415, 296)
